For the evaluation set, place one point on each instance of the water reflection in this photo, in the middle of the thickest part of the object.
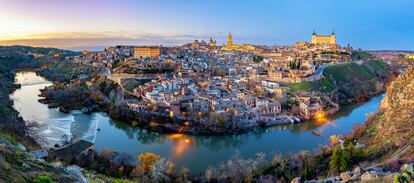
(194, 152)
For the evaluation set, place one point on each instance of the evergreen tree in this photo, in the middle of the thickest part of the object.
(334, 163)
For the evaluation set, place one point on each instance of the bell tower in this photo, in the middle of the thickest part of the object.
(229, 40)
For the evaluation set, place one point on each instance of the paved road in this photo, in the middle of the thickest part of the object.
(319, 71)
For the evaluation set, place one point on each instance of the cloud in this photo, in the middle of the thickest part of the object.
(98, 41)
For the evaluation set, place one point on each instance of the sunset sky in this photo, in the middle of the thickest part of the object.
(94, 24)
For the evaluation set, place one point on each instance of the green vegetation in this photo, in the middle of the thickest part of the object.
(257, 58)
(115, 63)
(131, 84)
(407, 174)
(11, 59)
(344, 159)
(65, 70)
(323, 84)
(335, 52)
(346, 72)
(43, 179)
(295, 64)
(8, 138)
(360, 55)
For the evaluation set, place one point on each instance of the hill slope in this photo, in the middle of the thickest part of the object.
(356, 83)
(352, 71)
(393, 125)
(349, 82)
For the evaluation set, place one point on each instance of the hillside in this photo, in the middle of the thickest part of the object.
(349, 82)
(351, 71)
(356, 83)
(320, 85)
(392, 130)
(15, 164)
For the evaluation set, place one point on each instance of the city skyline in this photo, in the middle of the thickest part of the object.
(95, 24)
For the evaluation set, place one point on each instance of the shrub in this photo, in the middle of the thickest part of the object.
(344, 159)
(43, 179)
(8, 138)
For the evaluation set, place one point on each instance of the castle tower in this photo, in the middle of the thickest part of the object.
(229, 40)
(333, 38)
(314, 37)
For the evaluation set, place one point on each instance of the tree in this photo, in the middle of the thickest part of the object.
(334, 163)
(344, 159)
(147, 161)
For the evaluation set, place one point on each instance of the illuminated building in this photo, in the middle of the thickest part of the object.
(237, 47)
(409, 56)
(149, 51)
(229, 40)
(85, 52)
(323, 39)
(212, 43)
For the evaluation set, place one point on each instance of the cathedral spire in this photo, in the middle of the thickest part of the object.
(229, 39)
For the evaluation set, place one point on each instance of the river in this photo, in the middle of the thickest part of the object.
(193, 152)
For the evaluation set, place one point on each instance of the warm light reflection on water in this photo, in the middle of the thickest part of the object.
(321, 120)
(180, 143)
(183, 150)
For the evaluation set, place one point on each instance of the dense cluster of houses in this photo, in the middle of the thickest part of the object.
(199, 80)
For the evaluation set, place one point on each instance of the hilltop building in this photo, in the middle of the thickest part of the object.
(196, 45)
(229, 40)
(85, 52)
(149, 51)
(212, 43)
(408, 56)
(236, 47)
(324, 39)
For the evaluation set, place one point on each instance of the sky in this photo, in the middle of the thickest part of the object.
(95, 24)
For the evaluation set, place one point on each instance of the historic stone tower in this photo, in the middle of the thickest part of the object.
(212, 42)
(229, 40)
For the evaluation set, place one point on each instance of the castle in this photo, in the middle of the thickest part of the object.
(324, 39)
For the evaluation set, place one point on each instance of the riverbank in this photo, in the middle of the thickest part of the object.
(184, 149)
(97, 93)
(94, 96)
(91, 98)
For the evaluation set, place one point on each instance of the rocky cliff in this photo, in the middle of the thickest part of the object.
(392, 128)
(396, 113)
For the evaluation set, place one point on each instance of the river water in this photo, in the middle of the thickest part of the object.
(193, 152)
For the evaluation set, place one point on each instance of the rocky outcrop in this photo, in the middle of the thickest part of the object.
(17, 166)
(372, 174)
(395, 117)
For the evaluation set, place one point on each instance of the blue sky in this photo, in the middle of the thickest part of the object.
(367, 24)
